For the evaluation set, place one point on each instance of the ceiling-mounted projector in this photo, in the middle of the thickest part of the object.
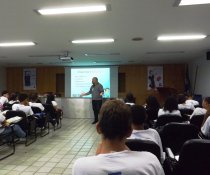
(66, 58)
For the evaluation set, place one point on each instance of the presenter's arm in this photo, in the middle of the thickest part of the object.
(87, 93)
(101, 90)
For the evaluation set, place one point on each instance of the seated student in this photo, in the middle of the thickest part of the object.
(4, 98)
(182, 103)
(170, 107)
(190, 100)
(205, 129)
(202, 111)
(138, 118)
(113, 156)
(6, 129)
(13, 99)
(33, 102)
(129, 99)
(23, 106)
(152, 107)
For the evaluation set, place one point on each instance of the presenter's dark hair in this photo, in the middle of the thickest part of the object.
(115, 120)
(138, 114)
(22, 97)
(170, 104)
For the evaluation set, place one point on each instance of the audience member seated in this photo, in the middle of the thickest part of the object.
(201, 111)
(6, 129)
(205, 129)
(152, 107)
(182, 103)
(23, 106)
(129, 99)
(33, 102)
(113, 157)
(12, 100)
(138, 118)
(4, 99)
(170, 107)
(190, 100)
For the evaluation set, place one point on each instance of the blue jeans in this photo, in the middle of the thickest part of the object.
(17, 130)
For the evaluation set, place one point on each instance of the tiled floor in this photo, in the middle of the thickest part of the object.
(55, 153)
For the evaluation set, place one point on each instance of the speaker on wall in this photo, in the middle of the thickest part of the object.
(208, 55)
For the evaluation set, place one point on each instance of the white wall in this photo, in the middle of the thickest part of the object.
(202, 84)
(2, 79)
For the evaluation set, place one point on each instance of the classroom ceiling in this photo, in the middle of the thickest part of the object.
(126, 19)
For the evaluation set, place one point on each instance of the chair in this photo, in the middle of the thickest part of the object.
(53, 115)
(28, 124)
(164, 119)
(194, 158)
(186, 113)
(197, 120)
(174, 135)
(144, 145)
(42, 120)
(7, 141)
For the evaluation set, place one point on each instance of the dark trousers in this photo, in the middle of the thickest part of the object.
(96, 104)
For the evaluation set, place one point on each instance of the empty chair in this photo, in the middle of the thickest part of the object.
(197, 120)
(167, 118)
(144, 145)
(174, 135)
(194, 159)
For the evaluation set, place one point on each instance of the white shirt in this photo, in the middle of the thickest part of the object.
(3, 100)
(2, 118)
(193, 102)
(54, 103)
(39, 105)
(148, 134)
(174, 112)
(20, 107)
(186, 106)
(131, 104)
(205, 129)
(198, 111)
(121, 163)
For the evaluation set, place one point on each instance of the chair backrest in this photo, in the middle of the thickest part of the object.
(174, 135)
(152, 114)
(36, 109)
(10, 114)
(143, 145)
(194, 158)
(50, 110)
(164, 119)
(197, 120)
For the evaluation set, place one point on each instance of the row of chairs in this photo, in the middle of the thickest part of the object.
(29, 125)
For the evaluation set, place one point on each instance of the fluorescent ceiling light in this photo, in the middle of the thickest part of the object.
(193, 2)
(16, 44)
(180, 37)
(108, 40)
(83, 9)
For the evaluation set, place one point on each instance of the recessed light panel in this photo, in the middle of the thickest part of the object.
(193, 2)
(17, 44)
(180, 37)
(107, 40)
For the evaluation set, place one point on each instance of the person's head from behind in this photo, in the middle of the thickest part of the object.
(33, 97)
(13, 97)
(181, 99)
(50, 98)
(139, 115)
(114, 121)
(152, 102)
(23, 98)
(5, 94)
(94, 80)
(206, 103)
(129, 98)
(171, 104)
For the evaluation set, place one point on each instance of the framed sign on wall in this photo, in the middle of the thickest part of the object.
(29, 79)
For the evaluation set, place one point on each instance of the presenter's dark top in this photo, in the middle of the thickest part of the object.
(95, 90)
